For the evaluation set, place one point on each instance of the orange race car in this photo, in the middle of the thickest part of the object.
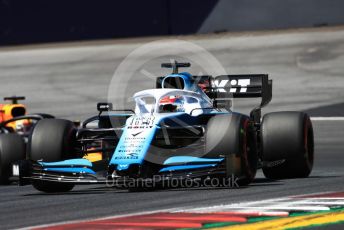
(15, 128)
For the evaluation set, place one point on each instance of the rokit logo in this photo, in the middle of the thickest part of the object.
(224, 85)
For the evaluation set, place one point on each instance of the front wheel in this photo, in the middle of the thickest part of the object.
(52, 140)
(233, 136)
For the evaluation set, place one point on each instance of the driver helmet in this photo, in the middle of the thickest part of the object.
(172, 104)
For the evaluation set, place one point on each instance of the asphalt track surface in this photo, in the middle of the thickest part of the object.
(67, 80)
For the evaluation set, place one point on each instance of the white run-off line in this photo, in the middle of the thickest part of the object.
(273, 206)
(327, 118)
(327, 198)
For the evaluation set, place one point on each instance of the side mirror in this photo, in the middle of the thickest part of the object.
(104, 106)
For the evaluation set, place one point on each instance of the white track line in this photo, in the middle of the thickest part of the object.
(323, 198)
(287, 207)
(227, 207)
(331, 203)
(295, 202)
(327, 118)
(271, 205)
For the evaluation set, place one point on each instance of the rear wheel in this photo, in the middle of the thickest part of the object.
(287, 137)
(12, 148)
(233, 136)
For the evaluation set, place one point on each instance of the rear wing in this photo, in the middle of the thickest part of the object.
(222, 89)
(241, 86)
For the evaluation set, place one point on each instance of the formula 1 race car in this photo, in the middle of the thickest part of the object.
(15, 128)
(184, 129)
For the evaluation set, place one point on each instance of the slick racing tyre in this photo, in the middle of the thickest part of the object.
(12, 148)
(52, 140)
(52, 187)
(233, 136)
(287, 140)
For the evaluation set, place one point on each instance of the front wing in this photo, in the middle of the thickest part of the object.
(80, 171)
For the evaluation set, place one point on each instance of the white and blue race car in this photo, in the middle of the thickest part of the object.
(184, 128)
